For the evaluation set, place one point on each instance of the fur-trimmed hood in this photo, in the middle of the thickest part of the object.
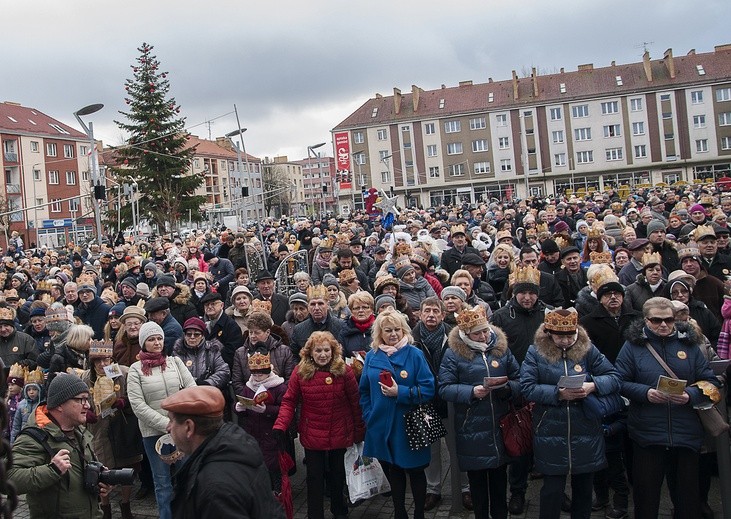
(181, 296)
(547, 349)
(338, 305)
(688, 334)
(458, 346)
(335, 268)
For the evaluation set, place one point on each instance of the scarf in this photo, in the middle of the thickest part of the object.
(152, 360)
(273, 380)
(482, 347)
(390, 350)
(365, 325)
(433, 340)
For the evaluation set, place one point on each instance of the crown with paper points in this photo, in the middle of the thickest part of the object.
(346, 276)
(594, 233)
(44, 286)
(35, 377)
(259, 362)
(261, 306)
(653, 258)
(561, 321)
(402, 249)
(382, 281)
(85, 279)
(17, 372)
(689, 250)
(421, 257)
(469, 320)
(550, 209)
(59, 313)
(401, 261)
(702, 231)
(457, 229)
(7, 314)
(706, 200)
(602, 276)
(541, 227)
(11, 293)
(600, 257)
(526, 275)
(317, 292)
(327, 244)
(561, 242)
(100, 349)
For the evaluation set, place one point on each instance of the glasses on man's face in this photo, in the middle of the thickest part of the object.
(659, 320)
(193, 335)
(84, 401)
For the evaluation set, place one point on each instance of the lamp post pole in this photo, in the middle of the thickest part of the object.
(93, 162)
(310, 154)
(240, 166)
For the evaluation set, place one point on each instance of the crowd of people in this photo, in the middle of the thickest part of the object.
(164, 354)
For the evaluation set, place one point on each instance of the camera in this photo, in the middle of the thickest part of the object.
(95, 473)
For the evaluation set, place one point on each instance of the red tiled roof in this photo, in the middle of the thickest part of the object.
(580, 84)
(17, 119)
(213, 149)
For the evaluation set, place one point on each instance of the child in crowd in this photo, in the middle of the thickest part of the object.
(15, 394)
(27, 406)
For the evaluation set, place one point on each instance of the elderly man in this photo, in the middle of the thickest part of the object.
(178, 294)
(637, 248)
(572, 278)
(298, 312)
(92, 310)
(221, 326)
(265, 285)
(717, 265)
(707, 288)
(222, 271)
(71, 294)
(224, 474)
(158, 310)
(15, 346)
(319, 320)
(128, 289)
(50, 455)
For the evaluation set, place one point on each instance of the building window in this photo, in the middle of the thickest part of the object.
(701, 145)
(580, 111)
(664, 97)
(385, 177)
(53, 177)
(557, 136)
(696, 97)
(71, 178)
(405, 129)
(610, 107)
(638, 128)
(51, 150)
(501, 119)
(724, 119)
(477, 123)
(456, 170)
(382, 134)
(430, 129)
(481, 167)
(723, 94)
(504, 143)
(407, 145)
(559, 159)
(36, 175)
(726, 143)
(73, 205)
(68, 151)
(431, 150)
(39, 201)
(479, 145)
(383, 155)
(699, 121)
(452, 126)
(635, 104)
(55, 205)
(506, 165)
(614, 154)
(359, 158)
(434, 172)
(584, 157)
(34, 146)
(640, 151)
(582, 134)
(667, 115)
(85, 176)
(555, 114)
(454, 148)
(669, 136)
(612, 130)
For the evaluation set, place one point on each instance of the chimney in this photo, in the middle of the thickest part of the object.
(586, 66)
(562, 71)
(396, 100)
(647, 66)
(515, 86)
(415, 94)
(378, 96)
(489, 80)
(465, 83)
(534, 80)
(669, 62)
(614, 63)
(691, 52)
(722, 48)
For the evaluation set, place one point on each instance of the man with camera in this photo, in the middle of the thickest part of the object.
(224, 474)
(53, 461)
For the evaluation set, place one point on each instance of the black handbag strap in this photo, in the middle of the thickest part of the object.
(662, 363)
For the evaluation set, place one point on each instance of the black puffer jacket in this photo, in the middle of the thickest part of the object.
(519, 325)
(204, 362)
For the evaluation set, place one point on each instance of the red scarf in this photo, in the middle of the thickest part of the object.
(152, 360)
(365, 325)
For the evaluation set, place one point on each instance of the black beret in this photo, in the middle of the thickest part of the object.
(211, 296)
(156, 304)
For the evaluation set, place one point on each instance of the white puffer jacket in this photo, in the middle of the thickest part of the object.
(146, 393)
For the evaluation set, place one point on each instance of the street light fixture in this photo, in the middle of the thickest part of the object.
(93, 163)
(310, 154)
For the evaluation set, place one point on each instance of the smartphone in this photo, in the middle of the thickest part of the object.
(385, 378)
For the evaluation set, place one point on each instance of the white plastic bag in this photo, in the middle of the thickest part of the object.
(364, 475)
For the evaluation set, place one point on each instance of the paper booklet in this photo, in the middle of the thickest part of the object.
(571, 381)
(719, 366)
(260, 396)
(495, 382)
(670, 386)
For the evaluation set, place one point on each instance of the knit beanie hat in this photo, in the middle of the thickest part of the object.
(549, 246)
(329, 280)
(63, 388)
(400, 273)
(454, 291)
(195, 323)
(654, 226)
(697, 207)
(148, 329)
(166, 280)
(384, 299)
(130, 282)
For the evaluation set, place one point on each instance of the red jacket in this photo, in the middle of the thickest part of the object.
(331, 417)
(434, 282)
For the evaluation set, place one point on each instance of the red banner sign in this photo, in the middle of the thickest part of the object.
(342, 159)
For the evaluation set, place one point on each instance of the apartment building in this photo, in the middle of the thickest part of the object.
(284, 185)
(656, 121)
(45, 189)
(320, 185)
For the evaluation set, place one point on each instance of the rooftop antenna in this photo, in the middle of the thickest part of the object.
(208, 123)
(643, 45)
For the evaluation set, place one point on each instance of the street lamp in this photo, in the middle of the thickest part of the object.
(310, 154)
(240, 133)
(93, 163)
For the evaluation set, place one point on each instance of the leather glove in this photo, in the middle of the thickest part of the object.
(281, 438)
(91, 417)
(200, 381)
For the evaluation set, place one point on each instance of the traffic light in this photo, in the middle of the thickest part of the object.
(100, 193)
(244, 191)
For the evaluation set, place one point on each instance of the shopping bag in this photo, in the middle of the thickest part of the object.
(364, 475)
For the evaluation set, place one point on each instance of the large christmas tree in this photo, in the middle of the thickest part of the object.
(156, 155)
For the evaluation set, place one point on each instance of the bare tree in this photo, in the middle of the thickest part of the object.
(277, 188)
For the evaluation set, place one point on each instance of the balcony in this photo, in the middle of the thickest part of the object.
(10, 156)
(13, 188)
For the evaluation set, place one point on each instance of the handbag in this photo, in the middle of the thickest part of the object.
(364, 476)
(423, 425)
(710, 417)
(516, 428)
(125, 436)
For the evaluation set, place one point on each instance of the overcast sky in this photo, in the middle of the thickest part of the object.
(295, 68)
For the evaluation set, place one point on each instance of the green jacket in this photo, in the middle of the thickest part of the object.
(49, 494)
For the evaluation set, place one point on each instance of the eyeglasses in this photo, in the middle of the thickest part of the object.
(660, 320)
(361, 308)
(193, 334)
(81, 400)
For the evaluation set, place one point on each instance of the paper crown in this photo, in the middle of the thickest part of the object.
(529, 275)
(317, 292)
(702, 231)
(402, 249)
(60, 313)
(343, 239)
(327, 244)
(382, 281)
(561, 242)
(259, 362)
(472, 320)
(653, 258)
(594, 233)
(35, 377)
(600, 257)
(689, 250)
(85, 279)
(100, 349)
(11, 293)
(7, 314)
(561, 321)
(551, 209)
(542, 227)
(421, 257)
(616, 206)
(346, 276)
(44, 286)
(261, 306)
(603, 275)
(401, 261)
(706, 200)
(17, 371)
(457, 229)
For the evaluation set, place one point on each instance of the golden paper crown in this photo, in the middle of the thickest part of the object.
(421, 257)
(561, 321)
(600, 257)
(472, 320)
(343, 238)
(100, 349)
(327, 243)
(456, 229)
(317, 292)
(542, 227)
(7, 314)
(60, 313)
(594, 233)
(258, 362)
(44, 286)
(17, 371)
(11, 293)
(653, 258)
(401, 261)
(85, 279)
(616, 206)
(550, 209)
(261, 306)
(346, 276)
(703, 230)
(402, 249)
(561, 242)
(35, 377)
(603, 276)
(706, 200)
(382, 281)
(528, 274)
(689, 250)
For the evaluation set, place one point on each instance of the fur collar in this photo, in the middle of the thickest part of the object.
(686, 333)
(181, 296)
(307, 368)
(339, 304)
(458, 346)
(548, 350)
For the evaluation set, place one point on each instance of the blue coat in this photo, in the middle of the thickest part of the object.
(384, 416)
(352, 339)
(669, 425)
(95, 314)
(565, 439)
(476, 422)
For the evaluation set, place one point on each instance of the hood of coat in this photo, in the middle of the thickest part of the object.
(338, 305)
(335, 268)
(686, 333)
(458, 346)
(552, 353)
(181, 295)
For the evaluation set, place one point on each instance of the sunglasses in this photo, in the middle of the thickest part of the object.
(660, 320)
(193, 334)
